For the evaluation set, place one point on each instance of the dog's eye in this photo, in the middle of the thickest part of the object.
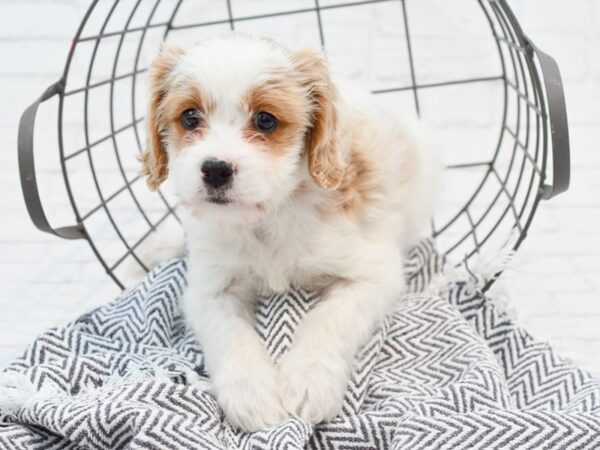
(265, 122)
(190, 119)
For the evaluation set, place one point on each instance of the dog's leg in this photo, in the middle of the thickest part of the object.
(243, 376)
(314, 373)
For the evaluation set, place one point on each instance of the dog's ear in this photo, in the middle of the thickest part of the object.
(325, 162)
(154, 159)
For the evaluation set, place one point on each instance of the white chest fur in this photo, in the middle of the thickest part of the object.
(292, 246)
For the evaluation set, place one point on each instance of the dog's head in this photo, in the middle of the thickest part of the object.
(233, 119)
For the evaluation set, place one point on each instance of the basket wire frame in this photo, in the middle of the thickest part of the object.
(526, 138)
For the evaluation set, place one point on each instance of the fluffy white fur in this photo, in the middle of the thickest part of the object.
(283, 228)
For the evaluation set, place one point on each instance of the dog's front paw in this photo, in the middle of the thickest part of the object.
(248, 395)
(312, 384)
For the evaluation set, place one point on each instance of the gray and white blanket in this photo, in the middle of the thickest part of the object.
(443, 371)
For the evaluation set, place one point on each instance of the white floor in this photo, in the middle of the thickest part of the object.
(45, 281)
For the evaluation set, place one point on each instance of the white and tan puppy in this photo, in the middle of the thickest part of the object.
(287, 178)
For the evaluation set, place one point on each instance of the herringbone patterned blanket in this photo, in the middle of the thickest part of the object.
(443, 371)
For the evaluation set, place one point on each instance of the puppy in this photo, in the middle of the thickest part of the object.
(287, 178)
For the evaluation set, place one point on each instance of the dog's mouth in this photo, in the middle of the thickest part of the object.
(217, 197)
(218, 200)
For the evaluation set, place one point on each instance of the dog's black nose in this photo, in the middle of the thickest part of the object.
(216, 173)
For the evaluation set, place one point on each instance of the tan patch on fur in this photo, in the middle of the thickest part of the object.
(359, 186)
(154, 159)
(283, 98)
(362, 184)
(176, 102)
(303, 188)
(324, 160)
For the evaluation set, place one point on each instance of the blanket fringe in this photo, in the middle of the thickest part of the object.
(18, 392)
(475, 275)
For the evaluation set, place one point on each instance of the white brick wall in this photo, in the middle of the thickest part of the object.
(45, 281)
(558, 292)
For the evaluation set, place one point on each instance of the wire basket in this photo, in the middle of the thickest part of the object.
(499, 118)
